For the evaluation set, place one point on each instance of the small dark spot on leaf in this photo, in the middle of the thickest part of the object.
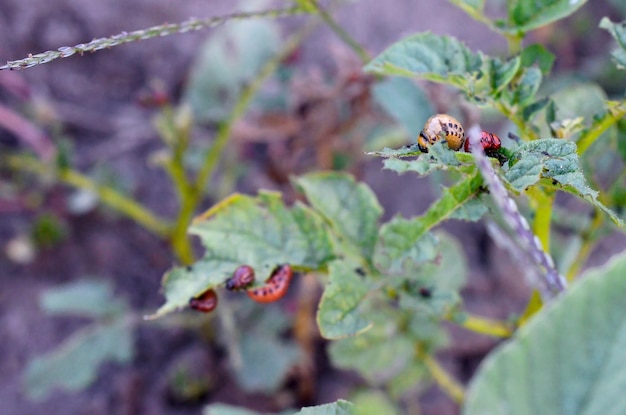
(360, 271)
(425, 292)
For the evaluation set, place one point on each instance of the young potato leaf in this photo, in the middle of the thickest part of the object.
(373, 402)
(446, 60)
(223, 409)
(618, 31)
(439, 157)
(351, 208)
(405, 101)
(537, 53)
(231, 57)
(339, 315)
(260, 232)
(74, 365)
(340, 407)
(83, 298)
(569, 359)
(401, 241)
(379, 353)
(524, 15)
(409, 150)
(266, 360)
(555, 160)
(436, 58)
(527, 86)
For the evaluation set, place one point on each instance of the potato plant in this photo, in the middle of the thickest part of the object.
(389, 286)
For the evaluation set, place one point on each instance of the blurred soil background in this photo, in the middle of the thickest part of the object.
(98, 103)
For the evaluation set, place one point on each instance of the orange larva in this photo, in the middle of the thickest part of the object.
(276, 286)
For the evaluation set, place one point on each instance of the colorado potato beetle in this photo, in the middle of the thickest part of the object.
(490, 142)
(441, 125)
(242, 278)
(205, 302)
(276, 286)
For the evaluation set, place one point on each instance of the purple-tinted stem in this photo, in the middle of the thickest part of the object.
(528, 241)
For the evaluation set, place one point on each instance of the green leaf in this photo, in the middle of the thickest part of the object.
(405, 101)
(379, 353)
(567, 360)
(223, 409)
(471, 211)
(230, 58)
(350, 207)
(410, 150)
(445, 207)
(372, 402)
(260, 232)
(83, 298)
(527, 86)
(524, 15)
(446, 60)
(339, 315)
(501, 73)
(537, 53)
(555, 160)
(266, 361)
(439, 157)
(403, 241)
(618, 31)
(436, 58)
(74, 365)
(340, 407)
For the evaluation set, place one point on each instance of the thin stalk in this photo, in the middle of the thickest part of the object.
(223, 134)
(111, 197)
(543, 203)
(483, 325)
(600, 127)
(589, 239)
(446, 382)
(191, 194)
(342, 34)
(541, 228)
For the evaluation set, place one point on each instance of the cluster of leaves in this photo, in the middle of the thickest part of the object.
(391, 284)
(387, 287)
(108, 338)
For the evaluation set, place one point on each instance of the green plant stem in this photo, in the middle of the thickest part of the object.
(446, 382)
(483, 325)
(342, 34)
(191, 193)
(107, 195)
(223, 134)
(543, 203)
(176, 136)
(522, 126)
(589, 238)
(590, 136)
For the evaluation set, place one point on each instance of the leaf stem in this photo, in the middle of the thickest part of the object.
(446, 382)
(342, 34)
(107, 195)
(223, 134)
(589, 237)
(595, 131)
(482, 325)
